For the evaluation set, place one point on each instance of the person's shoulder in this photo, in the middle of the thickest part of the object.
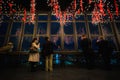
(33, 44)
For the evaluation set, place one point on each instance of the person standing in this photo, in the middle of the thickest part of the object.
(47, 51)
(105, 50)
(34, 54)
(87, 50)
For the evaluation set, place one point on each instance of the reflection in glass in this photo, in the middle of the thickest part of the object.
(68, 29)
(89, 17)
(14, 40)
(29, 28)
(117, 18)
(2, 39)
(17, 17)
(106, 27)
(93, 28)
(53, 17)
(3, 28)
(80, 26)
(118, 26)
(56, 59)
(41, 41)
(112, 40)
(57, 42)
(69, 43)
(80, 17)
(79, 43)
(26, 43)
(55, 28)
(94, 46)
(106, 18)
(6, 17)
(16, 28)
(42, 28)
(43, 17)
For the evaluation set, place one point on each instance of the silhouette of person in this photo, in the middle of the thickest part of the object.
(34, 55)
(105, 50)
(47, 51)
(87, 50)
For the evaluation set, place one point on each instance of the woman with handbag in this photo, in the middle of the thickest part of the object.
(34, 54)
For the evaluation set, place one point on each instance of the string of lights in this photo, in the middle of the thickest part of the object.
(76, 7)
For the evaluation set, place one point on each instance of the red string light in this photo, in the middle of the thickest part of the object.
(97, 16)
(90, 1)
(11, 9)
(0, 6)
(116, 7)
(101, 5)
(75, 4)
(110, 14)
(81, 5)
(32, 11)
(25, 16)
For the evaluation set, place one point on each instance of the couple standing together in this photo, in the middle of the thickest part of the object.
(47, 51)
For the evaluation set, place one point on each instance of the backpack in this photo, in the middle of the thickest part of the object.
(47, 48)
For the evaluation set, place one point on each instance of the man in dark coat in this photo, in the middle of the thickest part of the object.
(105, 50)
(87, 50)
(47, 51)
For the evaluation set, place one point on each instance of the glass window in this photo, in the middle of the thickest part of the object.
(42, 28)
(57, 42)
(6, 18)
(106, 18)
(42, 41)
(2, 39)
(55, 28)
(118, 26)
(106, 27)
(26, 43)
(93, 28)
(53, 17)
(89, 17)
(79, 43)
(112, 40)
(43, 17)
(117, 18)
(17, 17)
(3, 28)
(80, 26)
(94, 40)
(16, 28)
(29, 28)
(80, 17)
(14, 40)
(69, 43)
(68, 28)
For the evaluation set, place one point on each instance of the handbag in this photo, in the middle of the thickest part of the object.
(33, 50)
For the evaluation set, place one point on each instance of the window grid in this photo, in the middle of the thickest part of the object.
(75, 34)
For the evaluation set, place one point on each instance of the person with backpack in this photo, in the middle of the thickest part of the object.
(47, 51)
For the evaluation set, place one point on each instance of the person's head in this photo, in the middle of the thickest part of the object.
(10, 44)
(46, 38)
(35, 40)
(101, 38)
(83, 36)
